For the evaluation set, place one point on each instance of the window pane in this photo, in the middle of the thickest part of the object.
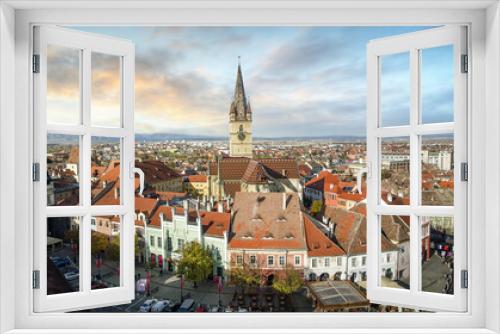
(105, 252)
(395, 89)
(106, 92)
(63, 239)
(105, 170)
(395, 171)
(63, 165)
(436, 84)
(395, 252)
(63, 85)
(437, 254)
(437, 170)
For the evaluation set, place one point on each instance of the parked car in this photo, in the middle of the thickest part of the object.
(186, 306)
(215, 308)
(62, 262)
(160, 306)
(200, 308)
(173, 307)
(71, 275)
(148, 304)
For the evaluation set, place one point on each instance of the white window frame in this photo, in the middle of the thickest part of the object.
(45, 36)
(15, 122)
(411, 43)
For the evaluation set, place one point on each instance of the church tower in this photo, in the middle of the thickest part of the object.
(240, 121)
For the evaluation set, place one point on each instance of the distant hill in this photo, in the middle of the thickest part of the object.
(157, 137)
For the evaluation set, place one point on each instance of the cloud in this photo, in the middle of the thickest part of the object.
(300, 80)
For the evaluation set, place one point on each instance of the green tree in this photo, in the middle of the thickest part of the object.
(288, 284)
(196, 262)
(113, 247)
(316, 207)
(99, 242)
(72, 235)
(245, 276)
(113, 250)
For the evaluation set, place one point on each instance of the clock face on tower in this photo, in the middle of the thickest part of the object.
(241, 133)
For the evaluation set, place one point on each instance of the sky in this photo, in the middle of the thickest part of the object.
(300, 81)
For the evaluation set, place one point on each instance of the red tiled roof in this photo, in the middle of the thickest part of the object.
(197, 178)
(145, 205)
(169, 195)
(231, 188)
(154, 172)
(155, 220)
(267, 221)
(215, 223)
(319, 244)
(231, 168)
(255, 173)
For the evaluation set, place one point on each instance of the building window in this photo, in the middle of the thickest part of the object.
(297, 260)
(339, 261)
(314, 263)
(363, 261)
(282, 260)
(169, 243)
(239, 260)
(159, 242)
(354, 262)
(388, 257)
(327, 261)
(152, 241)
(270, 260)
(253, 259)
(180, 244)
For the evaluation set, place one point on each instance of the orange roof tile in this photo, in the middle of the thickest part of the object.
(319, 244)
(215, 223)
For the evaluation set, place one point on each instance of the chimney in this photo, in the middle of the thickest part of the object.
(209, 206)
(284, 201)
(185, 204)
(117, 193)
(197, 205)
(220, 206)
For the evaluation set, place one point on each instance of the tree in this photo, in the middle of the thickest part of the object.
(72, 236)
(99, 242)
(316, 207)
(113, 250)
(113, 247)
(245, 276)
(288, 284)
(196, 262)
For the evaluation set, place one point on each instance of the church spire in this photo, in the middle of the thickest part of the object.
(240, 109)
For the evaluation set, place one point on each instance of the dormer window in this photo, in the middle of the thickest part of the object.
(248, 235)
(268, 236)
(281, 219)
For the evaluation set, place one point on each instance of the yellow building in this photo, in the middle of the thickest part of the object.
(196, 185)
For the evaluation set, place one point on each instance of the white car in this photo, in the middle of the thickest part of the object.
(148, 304)
(160, 306)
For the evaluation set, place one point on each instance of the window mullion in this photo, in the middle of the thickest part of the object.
(85, 181)
(414, 168)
